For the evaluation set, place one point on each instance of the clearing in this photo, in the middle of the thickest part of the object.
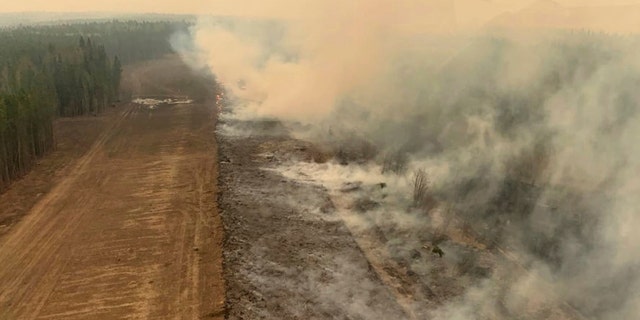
(121, 221)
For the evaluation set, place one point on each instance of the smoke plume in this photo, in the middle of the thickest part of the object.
(531, 136)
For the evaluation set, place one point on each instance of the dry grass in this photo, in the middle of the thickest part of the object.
(422, 196)
(395, 162)
(355, 150)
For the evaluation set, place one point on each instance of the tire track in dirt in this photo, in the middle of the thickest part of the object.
(42, 242)
(132, 232)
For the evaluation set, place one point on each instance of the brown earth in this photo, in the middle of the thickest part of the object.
(129, 229)
(75, 136)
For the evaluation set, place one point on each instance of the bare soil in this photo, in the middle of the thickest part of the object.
(75, 136)
(121, 221)
(125, 220)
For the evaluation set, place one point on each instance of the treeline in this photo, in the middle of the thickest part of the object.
(39, 82)
(131, 41)
(63, 70)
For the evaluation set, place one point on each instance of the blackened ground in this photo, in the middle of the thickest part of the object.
(298, 248)
(287, 255)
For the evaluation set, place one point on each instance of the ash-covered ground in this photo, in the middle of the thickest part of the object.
(314, 233)
(287, 253)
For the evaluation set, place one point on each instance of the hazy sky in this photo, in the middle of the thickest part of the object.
(468, 12)
(233, 6)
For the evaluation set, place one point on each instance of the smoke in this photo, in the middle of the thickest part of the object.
(300, 68)
(530, 136)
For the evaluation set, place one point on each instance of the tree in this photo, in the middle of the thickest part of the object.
(116, 75)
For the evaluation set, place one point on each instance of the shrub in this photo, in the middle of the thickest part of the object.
(395, 162)
(422, 197)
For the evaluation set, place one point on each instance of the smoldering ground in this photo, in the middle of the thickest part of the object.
(528, 138)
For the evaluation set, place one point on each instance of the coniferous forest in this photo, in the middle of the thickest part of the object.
(64, 70)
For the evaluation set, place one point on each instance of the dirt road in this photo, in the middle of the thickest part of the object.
(131, 232)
